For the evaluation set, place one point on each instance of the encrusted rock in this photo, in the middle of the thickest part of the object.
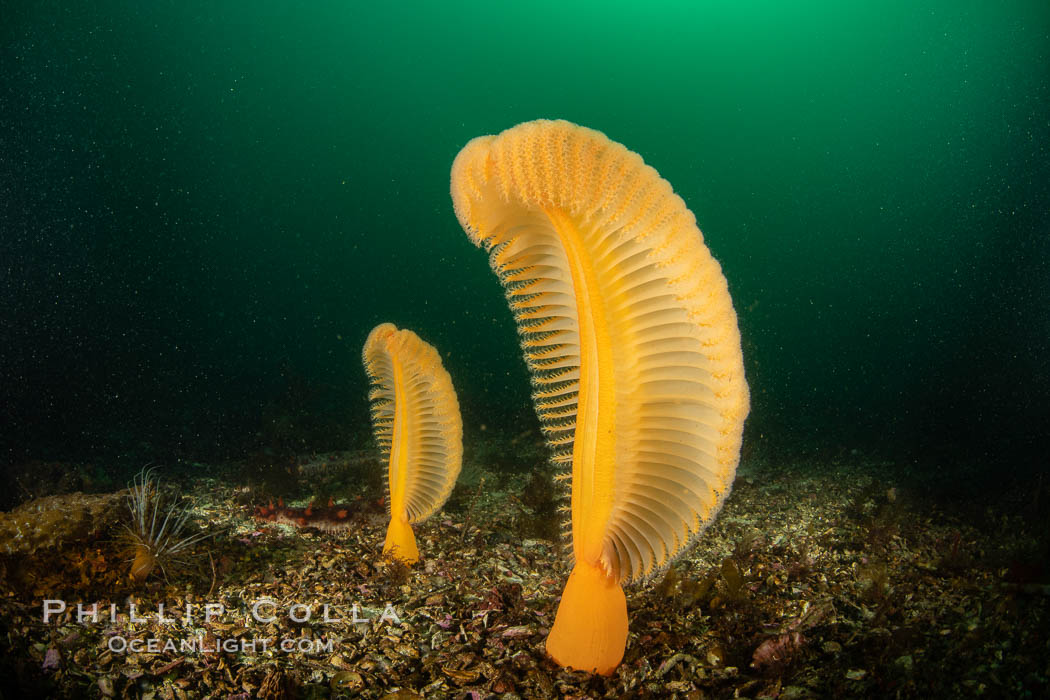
(51, 521)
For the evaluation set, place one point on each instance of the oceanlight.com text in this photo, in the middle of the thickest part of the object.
(201, 645)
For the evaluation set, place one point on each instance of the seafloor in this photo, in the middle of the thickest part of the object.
(851, 579)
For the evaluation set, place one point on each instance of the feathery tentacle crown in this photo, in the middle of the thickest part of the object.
(416, 421)
(627, 327)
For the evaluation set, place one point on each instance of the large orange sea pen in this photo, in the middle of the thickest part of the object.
(416, 420)
(632, 341)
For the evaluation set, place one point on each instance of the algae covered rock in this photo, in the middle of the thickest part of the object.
(48, 522)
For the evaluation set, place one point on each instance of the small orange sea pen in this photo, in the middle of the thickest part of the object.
(416, 421)
(632, 342)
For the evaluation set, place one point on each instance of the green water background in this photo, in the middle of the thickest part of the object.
(206, 207)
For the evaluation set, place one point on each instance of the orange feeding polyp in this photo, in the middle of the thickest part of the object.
(417, 425)
(631, 338)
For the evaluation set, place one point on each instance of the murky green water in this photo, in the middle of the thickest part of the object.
(204, 211)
